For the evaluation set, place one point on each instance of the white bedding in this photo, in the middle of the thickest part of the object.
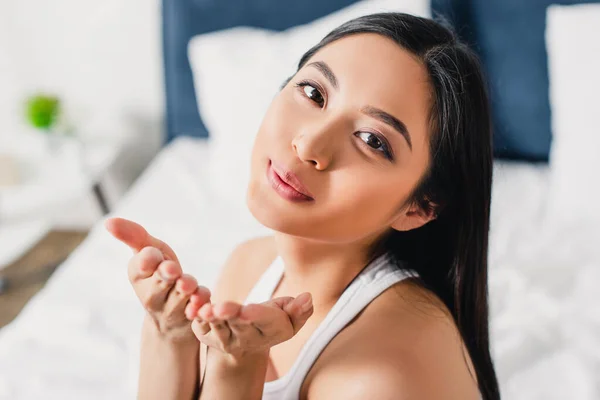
(79, 337)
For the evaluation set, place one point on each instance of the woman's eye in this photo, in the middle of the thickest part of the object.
(312, 93)
(375, 142)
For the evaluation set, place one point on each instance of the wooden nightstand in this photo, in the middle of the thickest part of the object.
(31, 250)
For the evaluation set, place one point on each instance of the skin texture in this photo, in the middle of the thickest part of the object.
(358, 196)
(404, 345)
(169, 357)
(169, 362)
(346, 176)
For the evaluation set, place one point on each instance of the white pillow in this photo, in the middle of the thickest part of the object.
(573, 44)
(238, 71)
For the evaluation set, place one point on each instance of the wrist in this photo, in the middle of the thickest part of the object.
(229, 377)
(168, 365)
(240, 362)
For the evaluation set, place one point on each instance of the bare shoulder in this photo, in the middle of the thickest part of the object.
(404, 345)
(243, 267)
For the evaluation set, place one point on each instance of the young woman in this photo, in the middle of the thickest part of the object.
(373, 167)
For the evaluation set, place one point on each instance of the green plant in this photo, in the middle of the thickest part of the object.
(42, 111)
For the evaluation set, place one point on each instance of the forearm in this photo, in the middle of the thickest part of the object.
(230, 379)
(168, 368)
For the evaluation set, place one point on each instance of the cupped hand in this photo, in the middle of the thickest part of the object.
(158, 280)
(240, 330)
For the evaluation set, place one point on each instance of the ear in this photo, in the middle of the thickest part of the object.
(415, 217)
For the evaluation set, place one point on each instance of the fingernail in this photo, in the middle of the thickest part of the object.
(306, 304)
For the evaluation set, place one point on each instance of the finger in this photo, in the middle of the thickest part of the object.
(162, 281)
(281, 302)
(200, 297)
(210, 340)
(143, 264)
(220, 329)
(200, 328)
(253, 314)
(299, 310)
(227, 310)
(218, 326)
(178, 297)
(239, 327)
(206, 313)
(260, 316)
(191, 310)
(136, 237)
(169, 270)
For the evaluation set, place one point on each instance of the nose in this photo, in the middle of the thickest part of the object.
(316, 143)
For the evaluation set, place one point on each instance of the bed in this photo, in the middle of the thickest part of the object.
(79, 337)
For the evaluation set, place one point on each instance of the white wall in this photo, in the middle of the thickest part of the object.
(103, 58)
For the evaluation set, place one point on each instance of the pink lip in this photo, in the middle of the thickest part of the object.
(287, 184)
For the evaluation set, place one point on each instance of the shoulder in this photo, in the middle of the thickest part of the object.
(243, 267)
(405, 345)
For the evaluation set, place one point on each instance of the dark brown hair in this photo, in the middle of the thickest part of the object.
(449, 253)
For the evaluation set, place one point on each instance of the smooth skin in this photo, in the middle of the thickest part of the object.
(387, 352)
(404, 344)
(168, 343)
(169, 365)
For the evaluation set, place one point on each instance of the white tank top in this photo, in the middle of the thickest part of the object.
(376, 277)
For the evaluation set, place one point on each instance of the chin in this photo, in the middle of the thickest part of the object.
(271, 213)
(263, 210)
(282, 216)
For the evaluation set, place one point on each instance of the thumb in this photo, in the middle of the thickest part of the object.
(299, 310)
(136, 237)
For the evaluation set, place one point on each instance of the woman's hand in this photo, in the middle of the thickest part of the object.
(169, 362)
(158, 281)
(245, 330)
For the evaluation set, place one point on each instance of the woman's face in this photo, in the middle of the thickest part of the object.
(344, 144)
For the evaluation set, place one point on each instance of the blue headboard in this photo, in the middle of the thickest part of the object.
(183, 19)
(508, 34)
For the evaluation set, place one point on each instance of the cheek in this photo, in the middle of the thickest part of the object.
(371, 199)
(274, 136)
(266, 136)
(280, 119)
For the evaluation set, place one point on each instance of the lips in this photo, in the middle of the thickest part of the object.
(287, 184)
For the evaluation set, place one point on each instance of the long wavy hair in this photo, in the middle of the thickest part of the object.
(449, 253)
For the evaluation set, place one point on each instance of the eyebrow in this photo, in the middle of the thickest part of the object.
(389, 119)
(326, 71)
(371, 111)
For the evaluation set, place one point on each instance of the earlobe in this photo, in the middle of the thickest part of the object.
(415, 217)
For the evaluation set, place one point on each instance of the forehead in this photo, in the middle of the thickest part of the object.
(374, 70)
(373, 56)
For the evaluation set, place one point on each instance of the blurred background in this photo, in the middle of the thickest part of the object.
(147, 110)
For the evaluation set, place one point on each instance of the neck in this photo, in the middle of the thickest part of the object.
(323, 269)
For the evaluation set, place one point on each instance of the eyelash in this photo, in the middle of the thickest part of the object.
(386, 150)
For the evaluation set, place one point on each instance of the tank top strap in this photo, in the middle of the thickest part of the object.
(375, 278)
